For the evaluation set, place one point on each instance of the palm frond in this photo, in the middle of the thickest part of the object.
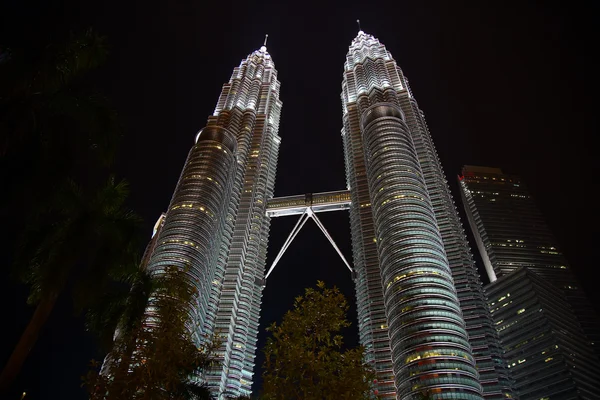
(190, 390)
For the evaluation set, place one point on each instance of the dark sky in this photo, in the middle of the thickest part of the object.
(507, 84)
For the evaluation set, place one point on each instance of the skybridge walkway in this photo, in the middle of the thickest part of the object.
(307, 206)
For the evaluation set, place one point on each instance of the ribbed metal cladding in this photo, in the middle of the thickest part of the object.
(493, 372)
(430, 350)
(216, 228)
(250, 108)
(193, 226)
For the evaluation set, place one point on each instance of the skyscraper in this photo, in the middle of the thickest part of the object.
(249, 105)
(547, 327)
(544, 344)
(216, 227)
(422, 314)
(511, 233)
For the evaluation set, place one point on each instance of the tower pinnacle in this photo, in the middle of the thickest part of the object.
(264, 46)
(358, 22)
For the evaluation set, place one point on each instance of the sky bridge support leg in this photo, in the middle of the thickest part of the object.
(308, 213)
(303, 218)
(322, 227)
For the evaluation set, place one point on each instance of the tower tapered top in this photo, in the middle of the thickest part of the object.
(363, 38)
(364, 46)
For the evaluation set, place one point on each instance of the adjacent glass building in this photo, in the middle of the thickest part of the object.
(422, 313)
(544, 344)
(511, 233)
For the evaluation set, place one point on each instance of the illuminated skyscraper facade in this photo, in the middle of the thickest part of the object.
(422, 314)
(216, 227)
(249, 105)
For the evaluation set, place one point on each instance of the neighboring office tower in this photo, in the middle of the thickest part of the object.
(511, 233)
(216, 227)
(543, 342)
(414, 268)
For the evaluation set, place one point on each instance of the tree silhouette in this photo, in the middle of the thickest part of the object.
(85, 238)
(304, 357)
(158, 358)
(59, 136)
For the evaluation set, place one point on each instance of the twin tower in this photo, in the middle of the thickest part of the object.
(422, 315)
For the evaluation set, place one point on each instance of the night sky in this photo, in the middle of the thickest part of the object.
(503, 84)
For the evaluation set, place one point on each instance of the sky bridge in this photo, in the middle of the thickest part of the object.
(307, 206)
(318, 202)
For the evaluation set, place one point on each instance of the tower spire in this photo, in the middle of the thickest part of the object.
(358, 22)
(264, 46)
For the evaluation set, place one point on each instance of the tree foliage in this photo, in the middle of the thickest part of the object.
(59, 137)
(158, 358)
(304, 358)
(81, 241)
(48, 105)
(87, 237)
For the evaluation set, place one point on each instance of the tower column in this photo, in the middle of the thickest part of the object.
(192, 230)
(429, 343)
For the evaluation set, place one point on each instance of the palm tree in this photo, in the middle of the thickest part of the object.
(195, 391)
(167, 360)
(82, 240)
(54, 125)
(53, 122)
(115, 317)
(117, 311)
(46, 101)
